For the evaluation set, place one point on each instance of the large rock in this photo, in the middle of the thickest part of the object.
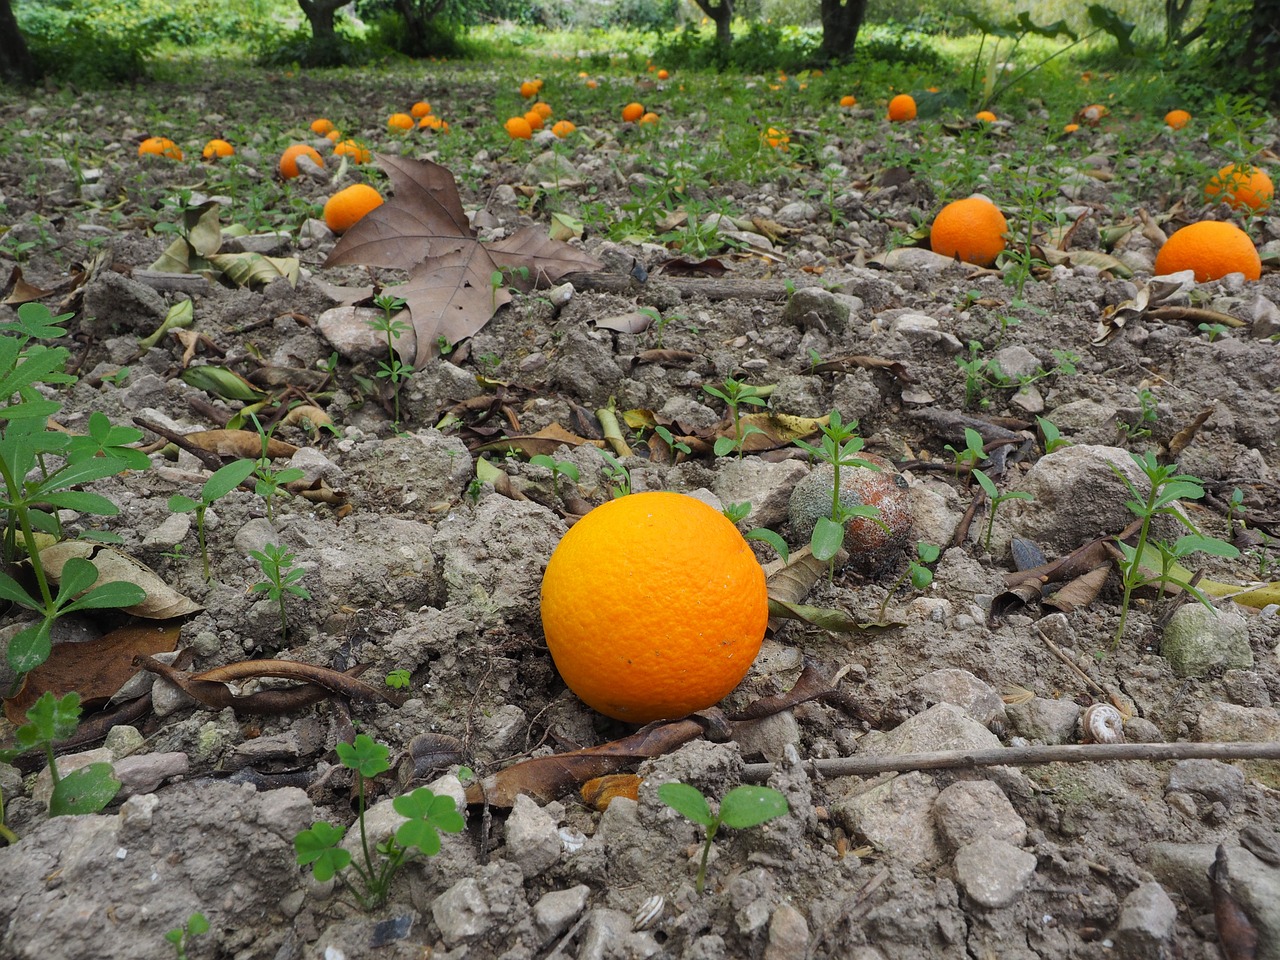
(993, 872)
(1147, 921)
(1198, 639)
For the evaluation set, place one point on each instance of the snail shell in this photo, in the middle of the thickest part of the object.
(572, 840)
(1102, 723)
(649, 912)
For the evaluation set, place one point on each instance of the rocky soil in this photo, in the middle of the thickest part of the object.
(417, 566)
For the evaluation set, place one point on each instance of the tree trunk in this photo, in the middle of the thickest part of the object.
(15, 60)
(841, 21)
(416, 14)
(320, 14)
(721, 15)
(1261, 54)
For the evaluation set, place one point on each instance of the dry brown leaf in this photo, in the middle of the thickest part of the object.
(243, 444)
(1080, 592)
(845, 364)
(682, 267)
(95, 669)
(450, 296)
(633, 322)
(1182, 439)
(547, 260)
(546, 440)
(161, 602)
(217, 696)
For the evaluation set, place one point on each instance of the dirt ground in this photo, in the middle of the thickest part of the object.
(415, 565)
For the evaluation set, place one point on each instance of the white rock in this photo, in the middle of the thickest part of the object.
(994, 873)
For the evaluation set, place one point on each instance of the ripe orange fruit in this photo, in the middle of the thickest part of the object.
(353, 151)
(902, 108)
(348, 205)
(160, 147)
(563, 128)
(289, 159)
(1212, 249)
(334, 135)
(321, 127)
(400, 121)
(534, 119)
(972, 229)
(542, 109)
(1177, 119)
(663, 75)
(653, 606)
(519, 128)
(1240, 187)
(592, 84)
(848, 100)
(632, 112)
(986, 116)
(217, 148)
(1071, 128)
(420, 109)
(649, 117)
(529, 89)
(432, 122)
(1093, 113)
(777, 139)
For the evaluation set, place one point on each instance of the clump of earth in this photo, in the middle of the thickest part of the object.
(416, 565)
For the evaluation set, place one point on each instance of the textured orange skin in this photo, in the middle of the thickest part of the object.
(321, 127)
(1212, 249)
(1240, 188)
(352, 151)
(653, 606)
(160, 147)
(563, 128)
(902, 108)
(972, 229)
(518, 128)
(344, 208)
(217, 148)
(1177, 119)
(400, 121)
(420, 109)
(289, 159)
(632, 112)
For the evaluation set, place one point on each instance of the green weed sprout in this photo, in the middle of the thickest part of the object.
(737, 512)
(558, 468)
(50, 719)
(839, 447)
(282, 579)
(398, 679)
(742, 807)
(428, 816)
(676, 446)
(995, 497)
(180, 937)
(392, 370)
(1167, 487)
(735, 394)
(917, 569)
(1052, 438)
(268, 480)
(221, 482)
(616, 473)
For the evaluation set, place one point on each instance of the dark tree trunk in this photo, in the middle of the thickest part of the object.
(416, 15)
(15, 60)
(1261, 54)
(320, 14)
(841, 21)
(721, 15)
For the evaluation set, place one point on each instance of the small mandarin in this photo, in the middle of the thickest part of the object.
(528, 89)
(1212, 249)
(1071, 128)
(344, 208)
(519, 128)
(632, 112)
(972, 229)
(663, 75)
(563, 128)
(649, 117)
(321, 127)
(400, 121)
(902, 108)
(592, 84)
(848, 100)
(1177, 119)
(217, 148)
(420, 109)
(534, 119)
(353, 151)
(542, 109)
(653, 606)
(333, 136)
(778, 139)
(289, 159)
(160, 147)
(1240, 186)
(986, 116)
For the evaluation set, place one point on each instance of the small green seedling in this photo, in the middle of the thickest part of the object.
(392, 370)
(1052, 438)
(735, 394)
(269, 481)
(737, 512)
(1167, 487)
(428, 816)
(839, 447)
(221, 482)
(616, 473)
(1212, 330)
(49, 720)
(917, 569)
(995, 498)
(558, 468)
(742, 807)
(180, 937)
(282, 579)
(666, 436)
(398, 679)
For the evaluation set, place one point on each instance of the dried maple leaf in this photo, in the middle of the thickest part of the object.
(423, 229)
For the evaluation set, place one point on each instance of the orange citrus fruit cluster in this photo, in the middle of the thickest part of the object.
(1240, 186)
(1212, 249)
(972, 229)
(632, 112)
(353, 151)
(653, 606)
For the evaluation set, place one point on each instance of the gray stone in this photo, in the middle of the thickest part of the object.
(266, 244)
(895, 817)
(315, 466)
(1225, 722)
(1147, 920)
(144, 772)
(1049, 721)
(1255, 885)
(491, 902)
(968, 810)
(114, 302)
(555, 911)
(1182, 868)
(255, 535)
(1197, 640)
(1246, 688)
(172, 530)
(788, 934)
(941, 727)
(1016, 362)
(960, 688)
(1213, 780)
(1061, 517)
(123, 740)
(769, 736)
(992, 872)
(766, 486)
(813, 307)
(532, 839)
(349, 332)
(937, 511)
(920, 329)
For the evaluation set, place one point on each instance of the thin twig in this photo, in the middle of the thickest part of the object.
(1025, 756)
(1088, 681)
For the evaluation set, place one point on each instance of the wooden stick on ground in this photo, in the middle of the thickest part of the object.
(1025, 756)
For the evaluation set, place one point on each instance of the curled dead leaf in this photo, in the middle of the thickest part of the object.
(162, 602)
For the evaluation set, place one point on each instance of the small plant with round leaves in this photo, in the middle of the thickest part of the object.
(220, 483)
(741, 808)
(918, 570)
(180, 937)
(398, 679)
(50, 719)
